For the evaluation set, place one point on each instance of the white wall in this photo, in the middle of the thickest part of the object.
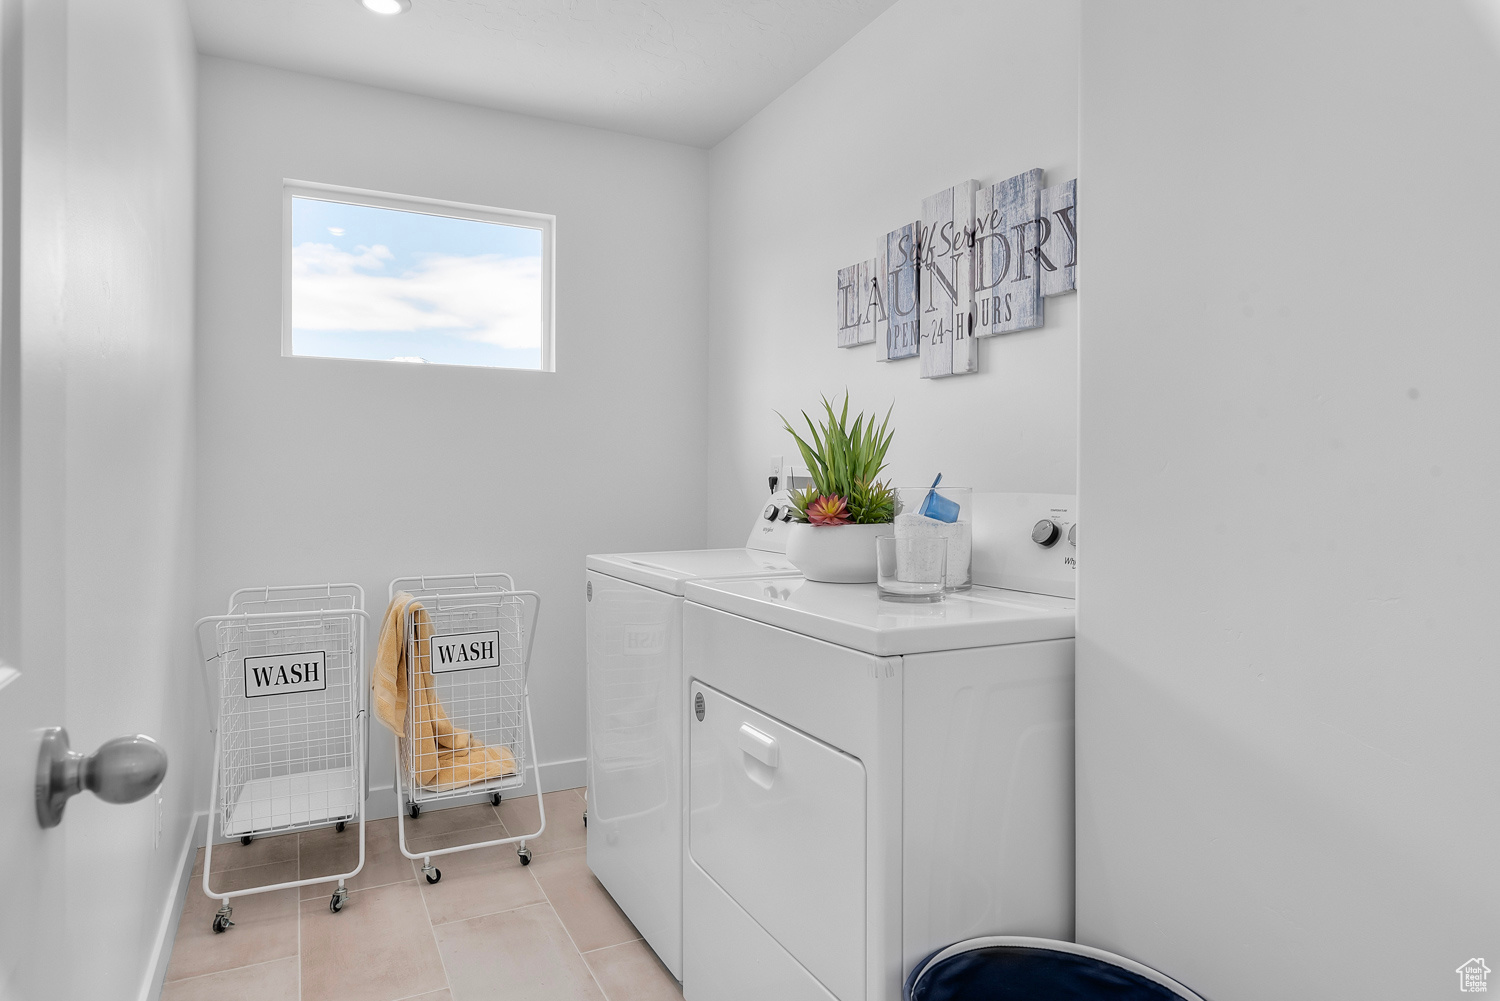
(310, 469)
(903, 110)
(1286, 662)
(127, 370)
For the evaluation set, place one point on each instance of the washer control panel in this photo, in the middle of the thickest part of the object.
(769, 531)
(1027, 542)
(777, 509)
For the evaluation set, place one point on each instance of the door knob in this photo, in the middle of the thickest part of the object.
(123, 770)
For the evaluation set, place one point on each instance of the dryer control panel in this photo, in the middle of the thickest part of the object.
(1027, 542)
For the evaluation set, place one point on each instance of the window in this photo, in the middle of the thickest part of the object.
(390, 278)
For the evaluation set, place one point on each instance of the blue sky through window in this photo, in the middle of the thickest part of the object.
(386, 284)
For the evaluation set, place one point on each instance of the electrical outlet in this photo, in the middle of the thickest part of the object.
(161, 814)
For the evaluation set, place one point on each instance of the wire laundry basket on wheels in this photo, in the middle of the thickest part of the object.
(467, 728)
(286, 688)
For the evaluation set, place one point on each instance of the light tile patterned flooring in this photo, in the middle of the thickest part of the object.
(489, 929)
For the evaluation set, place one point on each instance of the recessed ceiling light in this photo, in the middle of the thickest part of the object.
(386, 6)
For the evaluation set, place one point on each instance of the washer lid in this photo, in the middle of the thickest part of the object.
(855, 616)
(668, 571)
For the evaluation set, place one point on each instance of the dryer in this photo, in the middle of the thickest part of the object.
(636, 724)
(870, 781)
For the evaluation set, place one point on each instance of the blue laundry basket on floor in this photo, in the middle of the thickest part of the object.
(1015, 968)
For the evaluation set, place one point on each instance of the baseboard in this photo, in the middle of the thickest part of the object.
(166, 930)
(568, 774)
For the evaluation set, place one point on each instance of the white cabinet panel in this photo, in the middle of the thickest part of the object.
(778, 821)
(988, 840)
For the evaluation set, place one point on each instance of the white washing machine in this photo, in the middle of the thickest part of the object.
(869, 781)
(636, 723)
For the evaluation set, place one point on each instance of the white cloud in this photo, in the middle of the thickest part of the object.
(486, 298)
(336, 230)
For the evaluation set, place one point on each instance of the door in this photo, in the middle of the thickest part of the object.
(32, 951)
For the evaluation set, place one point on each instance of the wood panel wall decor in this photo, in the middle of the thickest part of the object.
(1059, 238)
(980, 262)
(901, 292)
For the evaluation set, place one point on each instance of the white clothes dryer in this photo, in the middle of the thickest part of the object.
(870, 781)
(636, 722)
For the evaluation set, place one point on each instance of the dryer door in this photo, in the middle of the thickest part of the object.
(777, 819)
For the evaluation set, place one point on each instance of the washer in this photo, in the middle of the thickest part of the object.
(870, 781)
(636, 723)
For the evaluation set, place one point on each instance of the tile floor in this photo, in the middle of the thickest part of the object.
(489, 929)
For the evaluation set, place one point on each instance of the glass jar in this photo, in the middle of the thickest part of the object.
(911, 569)
(942, 512)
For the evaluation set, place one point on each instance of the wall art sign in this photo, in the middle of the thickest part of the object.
(1058, 243)
(871, 302)
(980, 261)
(965, 359)
(856, 318)
(1008, 286)
(901, 292)
(848, 322)
(942, 241)
(965, 350)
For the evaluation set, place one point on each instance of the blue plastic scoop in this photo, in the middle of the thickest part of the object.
(937, 507)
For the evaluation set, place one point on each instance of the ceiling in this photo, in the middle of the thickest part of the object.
(690, 71)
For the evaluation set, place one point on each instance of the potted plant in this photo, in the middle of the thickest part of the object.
(839, 516)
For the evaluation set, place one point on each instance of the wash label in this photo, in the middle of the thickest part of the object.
(643, 639)
(285, 673)
(465, 651)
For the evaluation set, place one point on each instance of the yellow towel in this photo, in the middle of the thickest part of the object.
(445, 756)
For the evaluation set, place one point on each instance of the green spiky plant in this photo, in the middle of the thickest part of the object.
(844, 462)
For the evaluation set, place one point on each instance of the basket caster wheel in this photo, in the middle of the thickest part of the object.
(221, 923)
(434, 875)
(494, 799)
(339, 827)
(414, 811)
(245, 839)
(524, 854)
(336, 904)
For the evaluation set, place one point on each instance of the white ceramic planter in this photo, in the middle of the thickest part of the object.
(839, 554)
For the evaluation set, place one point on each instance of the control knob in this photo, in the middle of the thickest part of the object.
(1073, 535)
(771, 513)
(1044, 533)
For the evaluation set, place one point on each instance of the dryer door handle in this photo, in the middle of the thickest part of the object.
(760, 746)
